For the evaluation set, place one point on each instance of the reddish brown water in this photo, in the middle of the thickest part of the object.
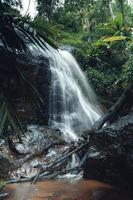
(55, 190)
(60, 190)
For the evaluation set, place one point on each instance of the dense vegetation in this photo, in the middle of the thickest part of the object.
(100, 31)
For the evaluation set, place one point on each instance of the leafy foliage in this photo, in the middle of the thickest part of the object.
(103, 61)
(47, 8)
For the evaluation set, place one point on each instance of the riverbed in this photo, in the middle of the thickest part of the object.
(65, 190)
(56, 190)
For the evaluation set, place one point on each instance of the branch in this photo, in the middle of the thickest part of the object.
(3, 196)
(59, 163)
(115, 110)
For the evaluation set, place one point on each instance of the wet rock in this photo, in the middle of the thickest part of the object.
(110, 157)
(110, 194)
(37, 71)
(38, 137)
(33, 61)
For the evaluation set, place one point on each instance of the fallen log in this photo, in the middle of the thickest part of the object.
(3, 196)
(22, 180)
(74, 169)
(113, 113)
(55, 166)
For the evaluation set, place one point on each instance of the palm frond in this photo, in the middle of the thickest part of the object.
(15, 124)
(47, 40)
(13, 2)
(12, 39)
(9, 119)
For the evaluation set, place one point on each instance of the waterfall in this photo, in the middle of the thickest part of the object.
(73, 104)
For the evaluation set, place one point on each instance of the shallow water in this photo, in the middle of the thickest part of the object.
(55, 190)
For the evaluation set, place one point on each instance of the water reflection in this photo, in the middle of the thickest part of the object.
(64, 190)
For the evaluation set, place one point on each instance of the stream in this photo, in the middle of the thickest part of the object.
(56, 190)
(65, 190)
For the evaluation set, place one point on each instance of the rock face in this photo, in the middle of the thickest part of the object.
(37, 72)
(39, 144)
(110, 157)
(24, 64)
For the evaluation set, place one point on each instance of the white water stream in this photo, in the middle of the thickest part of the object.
(73, 104)
(73, 107)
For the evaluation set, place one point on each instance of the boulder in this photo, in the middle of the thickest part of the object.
(110, 156)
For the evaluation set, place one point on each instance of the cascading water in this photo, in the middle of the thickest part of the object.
(73, 105)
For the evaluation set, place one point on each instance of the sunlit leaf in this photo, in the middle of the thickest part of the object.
(115, 38)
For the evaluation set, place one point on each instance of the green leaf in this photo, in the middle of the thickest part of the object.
(118, 20)
(9, 118)
(115, 38)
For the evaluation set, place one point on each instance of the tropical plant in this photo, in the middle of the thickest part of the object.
(47, 8)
